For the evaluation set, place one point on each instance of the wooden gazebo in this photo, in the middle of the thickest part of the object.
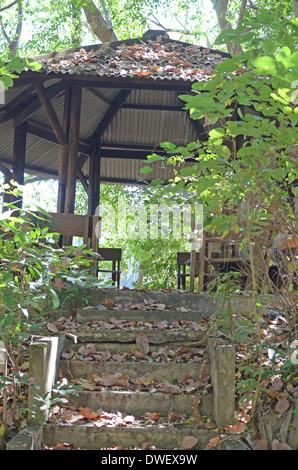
(93, 114)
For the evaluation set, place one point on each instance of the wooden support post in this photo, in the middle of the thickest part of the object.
(63, 154)
(19, 154)
(74, 129)
(94, 178)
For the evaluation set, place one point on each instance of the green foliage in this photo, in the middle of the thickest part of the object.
(264, 30)
(36, 277)
(10, 69)
(245, 174)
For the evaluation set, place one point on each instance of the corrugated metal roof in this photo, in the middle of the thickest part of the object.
(146, 118)
(157, 58)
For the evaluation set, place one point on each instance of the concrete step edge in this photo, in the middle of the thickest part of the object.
(93, 438)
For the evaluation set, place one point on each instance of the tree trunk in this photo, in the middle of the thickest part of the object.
(221, 10)
(295, 6)
(100, 24)
(14, 43)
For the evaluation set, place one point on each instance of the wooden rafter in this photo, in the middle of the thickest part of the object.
(44, 131)
(25, 113)
(100, 95)
(111, 113)
(10, 109)
(83, 180)
(50, 111)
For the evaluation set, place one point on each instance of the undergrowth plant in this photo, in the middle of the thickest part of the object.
(245, 175)
(36, 278)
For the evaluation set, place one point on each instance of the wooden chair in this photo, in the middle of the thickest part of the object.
(220, 255)
(183, 267)
(113, 255)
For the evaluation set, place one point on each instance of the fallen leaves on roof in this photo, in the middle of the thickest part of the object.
(154, 59)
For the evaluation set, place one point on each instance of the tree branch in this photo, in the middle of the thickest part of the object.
(241, 13)
(8, 6)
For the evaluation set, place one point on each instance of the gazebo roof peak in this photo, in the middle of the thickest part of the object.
(154, 55)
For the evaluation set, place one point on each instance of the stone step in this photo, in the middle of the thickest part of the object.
(190, 301)
(127, 347)
(87, 314)
(138, 403)
(168, 337)
(173, 388)
(131, 437)
(202, 302)
(169, 371)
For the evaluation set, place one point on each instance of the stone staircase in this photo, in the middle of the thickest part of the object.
(148, 387)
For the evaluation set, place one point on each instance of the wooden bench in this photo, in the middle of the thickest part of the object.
(113, 255)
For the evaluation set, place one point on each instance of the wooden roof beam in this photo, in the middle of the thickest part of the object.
(45, 132)
(110, 114)
(100, 95)
(51, 113)
(35, 103)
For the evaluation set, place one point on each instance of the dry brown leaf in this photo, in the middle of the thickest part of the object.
(160, 306)
(239, 427)
(64, 446)
(145, 445)
(88, 413)
(154, 416)
(273, 393)
(188, 442)
(182, 350)
(117, 357)
(52, 327)
(72, 417)
(213, 441)
(112, 380)
(142, 343)
(170, 388)
(87, 350)
(260, 444)
(277, 384)
(102, 356)
(276, 445)
(136, 354)
(282, 405)
(108, 303)
(175, 416)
